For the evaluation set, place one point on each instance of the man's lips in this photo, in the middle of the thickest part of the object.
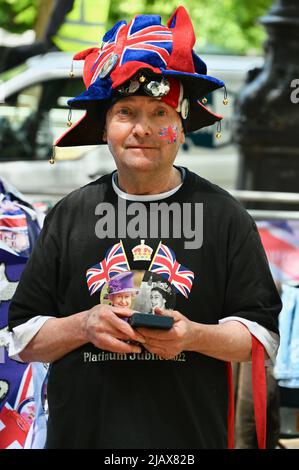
(140, 147)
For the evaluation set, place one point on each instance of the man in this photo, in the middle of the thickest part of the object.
(149, 216)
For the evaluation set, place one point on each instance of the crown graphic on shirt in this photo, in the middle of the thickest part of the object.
(142, 252)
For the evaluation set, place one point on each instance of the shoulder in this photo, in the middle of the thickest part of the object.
(209, 191)
(90, 193)
(79, 203)
(93, 191)
(218, 202)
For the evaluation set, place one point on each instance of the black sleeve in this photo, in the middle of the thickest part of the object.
(250, 290)
(36, 293)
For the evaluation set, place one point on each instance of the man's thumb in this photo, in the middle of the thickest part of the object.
(160, 311)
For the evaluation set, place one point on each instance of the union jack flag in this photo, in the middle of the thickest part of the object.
(169, 133)
(12, 217)
(165, 263)
(26, 387)
(281, 243)
(13, 429)
(141, 41)
(115, 262)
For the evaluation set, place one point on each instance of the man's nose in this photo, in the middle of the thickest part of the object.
(142, 127)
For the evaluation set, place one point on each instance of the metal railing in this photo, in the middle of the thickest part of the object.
(268, 196)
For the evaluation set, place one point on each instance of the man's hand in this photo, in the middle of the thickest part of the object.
(106, 328)
(229, 341)
(170, 343)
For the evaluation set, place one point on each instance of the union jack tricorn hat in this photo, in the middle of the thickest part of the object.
(142, 56)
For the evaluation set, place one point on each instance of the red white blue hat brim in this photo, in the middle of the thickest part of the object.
(195, 85)
(89, 129)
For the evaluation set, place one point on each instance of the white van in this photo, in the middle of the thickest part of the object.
(34, 112)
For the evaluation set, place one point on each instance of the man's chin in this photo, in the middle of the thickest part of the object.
(140, 162)
(139, 154)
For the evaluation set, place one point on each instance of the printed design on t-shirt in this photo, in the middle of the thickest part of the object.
(141, 291)
(121, 290)
(165, 263)
(142, 252)
(115, 263)
(155, 291)
(14, 227)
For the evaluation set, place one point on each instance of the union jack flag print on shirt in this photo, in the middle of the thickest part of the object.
(165, 263)
(115, 262)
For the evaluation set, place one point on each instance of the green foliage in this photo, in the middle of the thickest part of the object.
(227, 25)
(17, 15)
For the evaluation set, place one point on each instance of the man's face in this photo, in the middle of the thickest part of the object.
(143, 133)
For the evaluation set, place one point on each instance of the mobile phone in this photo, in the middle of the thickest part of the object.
(149, 320)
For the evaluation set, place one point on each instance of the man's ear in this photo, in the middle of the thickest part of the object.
(182, 136)
(104, 136)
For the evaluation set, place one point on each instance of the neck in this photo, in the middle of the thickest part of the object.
(144, 184)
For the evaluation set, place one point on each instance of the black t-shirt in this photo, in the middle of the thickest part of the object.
(99, 399)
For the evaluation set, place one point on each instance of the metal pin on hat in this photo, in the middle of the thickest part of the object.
(185, 108)
(108, 65)
(71, 72)
(69, 118)
(218, 133)
(52, 159)
(225, 99)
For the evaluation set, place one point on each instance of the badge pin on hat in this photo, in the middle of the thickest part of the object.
(108, 66)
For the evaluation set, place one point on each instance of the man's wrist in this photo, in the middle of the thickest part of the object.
(195, 337)
(82, 326)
